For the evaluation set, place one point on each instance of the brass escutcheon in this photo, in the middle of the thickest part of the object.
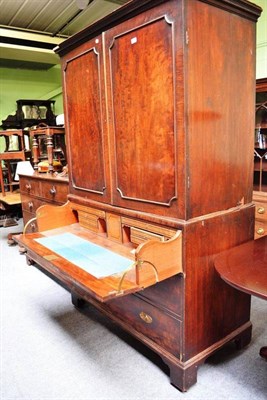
(261, 210)
(145, 317)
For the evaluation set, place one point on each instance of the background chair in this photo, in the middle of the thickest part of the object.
(15, 150)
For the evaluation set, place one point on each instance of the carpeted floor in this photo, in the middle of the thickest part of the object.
(52, 351)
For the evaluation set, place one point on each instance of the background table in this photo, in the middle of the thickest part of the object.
(245, 268)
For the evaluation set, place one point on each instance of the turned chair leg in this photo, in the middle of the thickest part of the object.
(2, 180)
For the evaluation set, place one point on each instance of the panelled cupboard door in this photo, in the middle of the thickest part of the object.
(86, 121)
(146, 134)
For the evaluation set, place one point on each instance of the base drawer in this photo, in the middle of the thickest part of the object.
(163, 329)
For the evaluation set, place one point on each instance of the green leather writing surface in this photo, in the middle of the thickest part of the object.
(92, 258)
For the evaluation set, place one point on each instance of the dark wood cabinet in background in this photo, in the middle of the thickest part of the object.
(260, 160)
(29, 113)
(156, 144)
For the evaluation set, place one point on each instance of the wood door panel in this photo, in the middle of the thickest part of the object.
(143, 114)
(88, 159)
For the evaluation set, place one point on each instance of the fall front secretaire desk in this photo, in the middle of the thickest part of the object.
(159, 113)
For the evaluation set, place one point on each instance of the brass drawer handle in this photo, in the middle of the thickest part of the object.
(260, 231)
(33, 226)
(261, 210)
(28, 186)
(53, 191)
(145, 317)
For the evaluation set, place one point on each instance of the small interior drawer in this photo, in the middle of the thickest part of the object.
(88, 221)
(158, 230)
(90, 218)
(139, 235)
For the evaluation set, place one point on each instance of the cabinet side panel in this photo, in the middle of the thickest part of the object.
(221, 87)
(213, 309)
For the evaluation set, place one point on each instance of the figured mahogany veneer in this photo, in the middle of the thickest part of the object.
(160, 167)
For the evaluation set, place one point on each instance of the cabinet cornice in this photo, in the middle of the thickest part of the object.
(243, 8)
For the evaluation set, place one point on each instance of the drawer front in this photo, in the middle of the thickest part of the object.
(88, 221)
(54, 191)
(260, 229)
(29, 186)
(139, 236)
(30, 204)
(261, 211)
(163, 293)
(32, 227)
(150, 321)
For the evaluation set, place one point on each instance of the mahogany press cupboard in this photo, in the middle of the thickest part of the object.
(160, 151)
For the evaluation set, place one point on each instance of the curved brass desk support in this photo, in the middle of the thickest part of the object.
(119, 291)
(139, 264)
